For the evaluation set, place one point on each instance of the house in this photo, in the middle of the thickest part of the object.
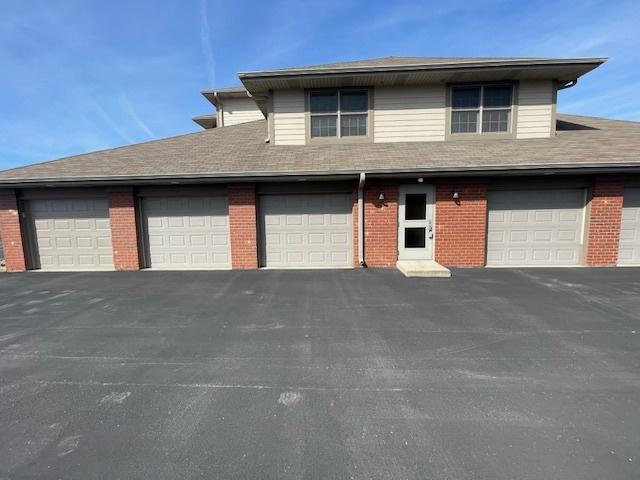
(460, 160)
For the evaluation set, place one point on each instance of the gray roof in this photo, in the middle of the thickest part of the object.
(416, 71)
(241, 151)
(395, 62)
(206, 121)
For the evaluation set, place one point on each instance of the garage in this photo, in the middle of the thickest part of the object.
(71, 234)
(306, 230)
(186, 232)
(629, 249)
(535, 227)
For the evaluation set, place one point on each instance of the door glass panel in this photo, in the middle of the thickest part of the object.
(415, 206)
(414, 237)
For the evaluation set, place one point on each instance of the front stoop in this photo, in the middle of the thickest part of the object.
(422, 268)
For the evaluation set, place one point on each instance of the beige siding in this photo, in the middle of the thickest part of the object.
(535, 109)
(288, 117)
(409, 114)
(240, 110)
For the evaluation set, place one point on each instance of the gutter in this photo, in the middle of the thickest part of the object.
(221, 177)
(361, 219)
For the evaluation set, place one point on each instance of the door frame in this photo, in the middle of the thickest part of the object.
(427, 253)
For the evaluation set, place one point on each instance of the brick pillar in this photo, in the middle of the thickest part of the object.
(124, 234)
(605, 216)
(461, 225)
(11, 233)
(381, 225)
(243, 226)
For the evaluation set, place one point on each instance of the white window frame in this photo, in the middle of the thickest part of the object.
(480, 109)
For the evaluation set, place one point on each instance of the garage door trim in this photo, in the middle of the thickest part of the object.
(34, 245)
(580, 229)
(262, 243)
(211, 231)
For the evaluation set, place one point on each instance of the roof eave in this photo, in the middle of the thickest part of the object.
(481, 170)
(525, 63)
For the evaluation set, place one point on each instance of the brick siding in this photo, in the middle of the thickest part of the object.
(124, 234)
(381, 225)
(605, 216)
(11, 234)
(243, 226)
(461, 225)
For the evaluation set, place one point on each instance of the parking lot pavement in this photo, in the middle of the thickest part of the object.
(492, 374)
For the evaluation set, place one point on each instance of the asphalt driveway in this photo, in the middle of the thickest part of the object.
(492, 374)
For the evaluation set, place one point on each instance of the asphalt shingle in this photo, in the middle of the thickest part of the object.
(241, 150)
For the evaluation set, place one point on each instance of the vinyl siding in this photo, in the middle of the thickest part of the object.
(288, 117)
(535, 109)
(240, 110)
(409, 114)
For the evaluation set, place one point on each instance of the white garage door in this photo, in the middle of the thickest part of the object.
(535, 227)
(72, 234)
(186, 232)
(308, 231)
(629, 253)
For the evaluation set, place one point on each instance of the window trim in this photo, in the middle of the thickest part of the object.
(513, 124)
(368, 138)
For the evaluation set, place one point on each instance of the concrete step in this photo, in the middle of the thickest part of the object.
(422, 268)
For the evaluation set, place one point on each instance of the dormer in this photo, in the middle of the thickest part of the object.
(414, 99)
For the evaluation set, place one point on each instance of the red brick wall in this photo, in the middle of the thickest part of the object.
(605, 215)
(124, 234)
(11, 234)
(461, 225)
(381, 225)
(242, 226)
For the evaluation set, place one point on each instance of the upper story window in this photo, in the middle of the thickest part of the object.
(481, 109)
(339, 113)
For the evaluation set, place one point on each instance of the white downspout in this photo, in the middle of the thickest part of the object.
(220, 110)
(361, 219)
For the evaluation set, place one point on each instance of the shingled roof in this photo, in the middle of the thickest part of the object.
(241, 151)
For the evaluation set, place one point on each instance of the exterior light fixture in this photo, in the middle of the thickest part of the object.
(456, 195)
(420, 180)
(381, 196)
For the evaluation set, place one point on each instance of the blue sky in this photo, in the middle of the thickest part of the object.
(83, 75)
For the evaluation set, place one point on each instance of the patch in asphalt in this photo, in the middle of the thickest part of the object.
(289, 399)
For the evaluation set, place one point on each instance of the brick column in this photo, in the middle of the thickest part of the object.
(11, 233)
(461, 224)
(243, 226)
(381, 225)
(124, 234)
(605, 216)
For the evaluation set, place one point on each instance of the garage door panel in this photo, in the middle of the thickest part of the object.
(542, 236)
(187, 232)
(519, 236)
(542, 216)
(541, 255)
(294, 239)
(542, 227)
(72, 234)
(306, 230)
(629, 249)
(568, 236)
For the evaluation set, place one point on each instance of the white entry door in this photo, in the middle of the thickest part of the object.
(415, 222)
